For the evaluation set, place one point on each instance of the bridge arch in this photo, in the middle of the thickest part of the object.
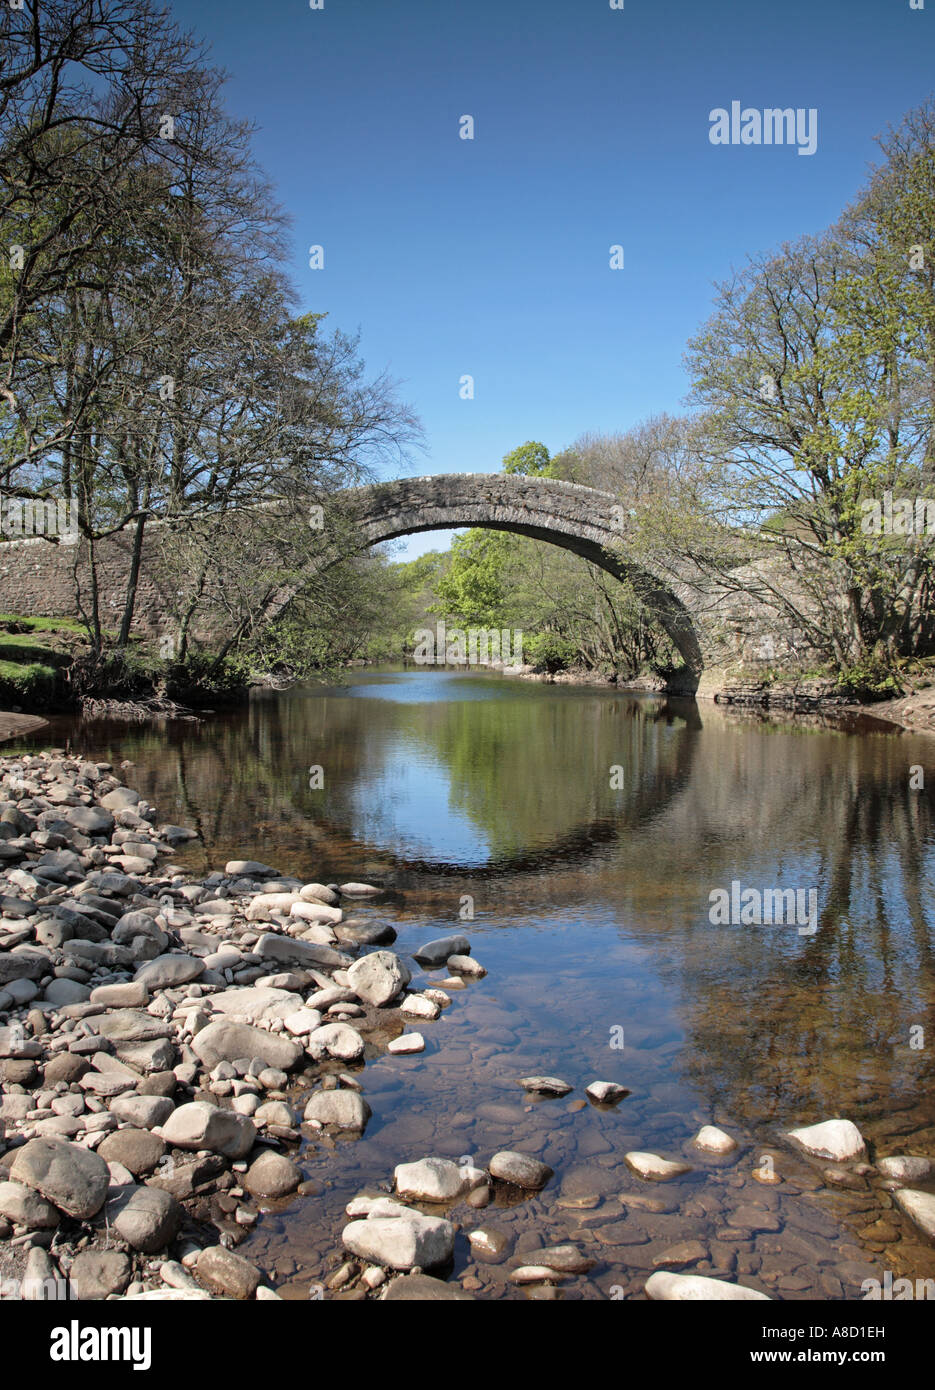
(583, 520)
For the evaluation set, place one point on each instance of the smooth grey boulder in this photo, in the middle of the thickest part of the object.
(150, 1220)
(142, 932)
(227, 1040)
(346, 1109)
(275, 949)
(25, 1207)
(120, 799)
(94, 1274)
(272, 1175)
(72, 1178)
(90, 820)
(401, 1242)
(437, 952)
(131, 1026)
(144, 1112)
(166, 972)
(199, 1125)
(519, 1169)
(61, 992)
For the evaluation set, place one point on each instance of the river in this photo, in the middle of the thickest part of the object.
(577, 835)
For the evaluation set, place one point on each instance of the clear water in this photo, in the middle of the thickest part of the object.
(590, 892)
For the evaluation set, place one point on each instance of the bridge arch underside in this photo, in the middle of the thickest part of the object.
(669, 611)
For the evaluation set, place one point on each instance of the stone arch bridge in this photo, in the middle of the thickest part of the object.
(580, 519)
(38, 578)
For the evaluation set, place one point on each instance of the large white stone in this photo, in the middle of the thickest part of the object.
(401, 1242)
(346, 1109)
(435, 1180)
(695, 1288)
(256, 1003)
(919, 1207)
(712, 1140)
(315, 912)
(199, 1125)
(378, 977)
(835, 1139)
(337, 1040)
(654, 1168)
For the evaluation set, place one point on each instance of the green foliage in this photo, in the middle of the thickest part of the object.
(125, 675)
(13, 650)
(531, 458)
(17, 622)
(872, 679)
(471, 589)
(547, 651)
(35, 685)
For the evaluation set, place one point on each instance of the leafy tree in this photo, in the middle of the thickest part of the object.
(530, 458)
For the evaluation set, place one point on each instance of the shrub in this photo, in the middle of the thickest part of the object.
(547, 651)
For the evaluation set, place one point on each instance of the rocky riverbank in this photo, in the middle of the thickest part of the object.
(170, 1046)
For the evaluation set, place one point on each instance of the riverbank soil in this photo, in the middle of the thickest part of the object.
(915, 710)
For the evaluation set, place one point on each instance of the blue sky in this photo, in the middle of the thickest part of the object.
(491, 257)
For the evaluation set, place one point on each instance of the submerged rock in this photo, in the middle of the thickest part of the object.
(406, 1043)
(422, 1288)
(546, 1085)
(907, 1168)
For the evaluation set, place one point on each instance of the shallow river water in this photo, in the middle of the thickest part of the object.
(576, 835)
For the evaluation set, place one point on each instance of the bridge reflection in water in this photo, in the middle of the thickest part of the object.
(591, 899)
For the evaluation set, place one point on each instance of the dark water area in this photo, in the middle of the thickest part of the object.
(576, 836)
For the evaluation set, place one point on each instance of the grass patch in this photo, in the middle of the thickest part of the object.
(13, 649)
(42, 624)
(36, 684)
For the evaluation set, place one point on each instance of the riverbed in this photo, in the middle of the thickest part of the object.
(576, 836)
